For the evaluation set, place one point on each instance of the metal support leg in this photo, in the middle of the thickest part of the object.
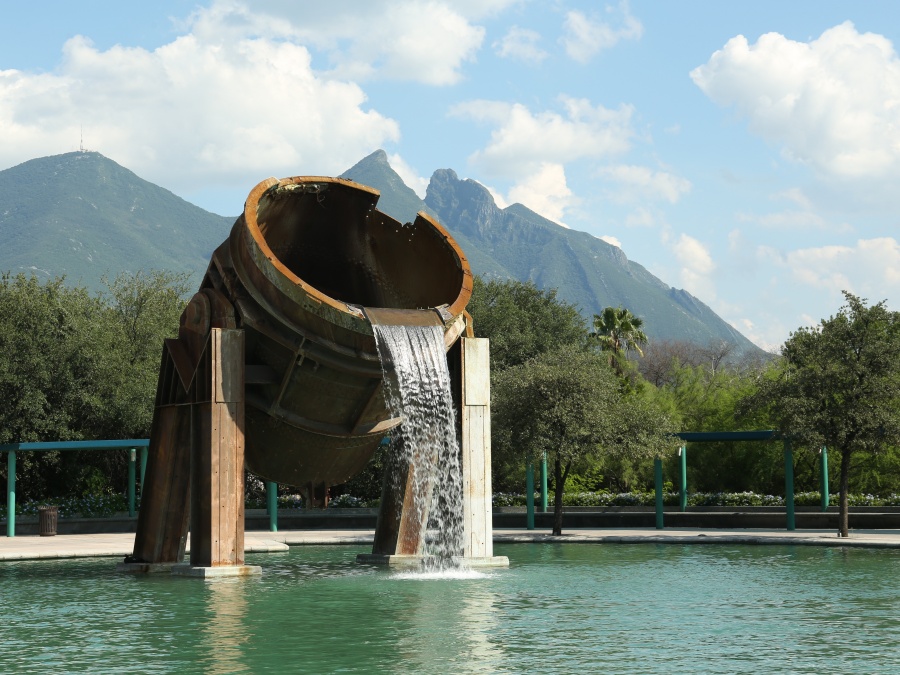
(272, 505)
(132, 477)
(11, 493)
(143, 467)
(823, 478)
(658, 479)
(789, 484)
(682, 454)
(544, 483)
(529, 496)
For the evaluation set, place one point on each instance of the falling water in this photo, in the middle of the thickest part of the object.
(417, 389)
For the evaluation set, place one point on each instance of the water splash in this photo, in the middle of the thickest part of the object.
(463, 573)
(417, 389)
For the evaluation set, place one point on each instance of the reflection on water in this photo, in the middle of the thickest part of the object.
(558, 609)
(225, 634)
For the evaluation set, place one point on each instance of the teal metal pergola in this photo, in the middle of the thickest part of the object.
(701, 437)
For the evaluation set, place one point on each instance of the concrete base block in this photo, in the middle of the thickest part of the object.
(145, 568)
(186, 570)
(415, 562)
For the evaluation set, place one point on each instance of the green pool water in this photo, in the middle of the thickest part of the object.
(559, 608)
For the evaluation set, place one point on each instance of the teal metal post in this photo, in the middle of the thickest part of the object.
(544, 483)
(657, 475)
(529, 496)
(143, 467)
(789, 484)
(682, 500)
(132, 465)
(823, 479)
(11, 493)
(272, 504)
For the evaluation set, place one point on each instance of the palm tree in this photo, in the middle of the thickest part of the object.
(619, 331)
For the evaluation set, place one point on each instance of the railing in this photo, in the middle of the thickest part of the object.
(12, 449)
(699, 437)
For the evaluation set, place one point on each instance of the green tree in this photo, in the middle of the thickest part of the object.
(618, 332)
(522, 321)
(77, 366)
(568, 404)
(142, 309)
(47, 363)
(839, 386)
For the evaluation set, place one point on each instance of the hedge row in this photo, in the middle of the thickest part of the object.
(100, 506)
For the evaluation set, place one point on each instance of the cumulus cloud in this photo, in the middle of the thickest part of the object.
(545, 192)
(584, 36)
(640, 182)
(791, 219)
(417, 40)
(220, 107)
(410, 176)
(523, 141)
(612, 241)
(697, 266)
(870, 268)
(641, 217)
(520, 44)
(769, 336)
(832, 103)
(795, 195)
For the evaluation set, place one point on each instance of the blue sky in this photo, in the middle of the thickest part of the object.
(748, 152)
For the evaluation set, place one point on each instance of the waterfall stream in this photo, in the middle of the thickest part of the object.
(417, 389)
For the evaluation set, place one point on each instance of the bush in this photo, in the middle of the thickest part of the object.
(600, 499)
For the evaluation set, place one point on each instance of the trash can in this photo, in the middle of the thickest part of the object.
(47, 516)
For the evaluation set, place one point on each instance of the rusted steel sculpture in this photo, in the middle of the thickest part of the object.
(276, 365)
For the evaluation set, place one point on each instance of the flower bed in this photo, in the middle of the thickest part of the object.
(698, 499)
(103, 506)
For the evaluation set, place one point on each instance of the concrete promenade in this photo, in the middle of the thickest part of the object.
(120, 544)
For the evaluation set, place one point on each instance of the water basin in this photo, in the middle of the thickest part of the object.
(559, 608)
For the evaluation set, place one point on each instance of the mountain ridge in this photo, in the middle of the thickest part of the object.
(515, 242)
(84, 216)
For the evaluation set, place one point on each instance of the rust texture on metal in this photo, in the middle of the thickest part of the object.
(275, 364)
(301, 263)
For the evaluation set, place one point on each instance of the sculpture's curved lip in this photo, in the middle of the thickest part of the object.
(347, 314)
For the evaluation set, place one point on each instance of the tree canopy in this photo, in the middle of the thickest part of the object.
(839, 386)
(522, 321)
(79, 366)
(568, 404)
(618, 331)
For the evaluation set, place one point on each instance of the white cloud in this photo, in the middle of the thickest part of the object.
(410, 176)
(613, 241)
(871, 268)
(425, 41)
(641, 217)
(524, 141)
(769, 336)
(640, 183)
(832, 103)
(545, 192)
(791, 219)
(499, 199)
(795, 195)
(585, 36)
(220, 108)
(697, 267)
(520, 44)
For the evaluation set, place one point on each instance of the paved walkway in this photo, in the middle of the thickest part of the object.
(120, 545)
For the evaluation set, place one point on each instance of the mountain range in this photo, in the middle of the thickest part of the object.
(84, 216)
